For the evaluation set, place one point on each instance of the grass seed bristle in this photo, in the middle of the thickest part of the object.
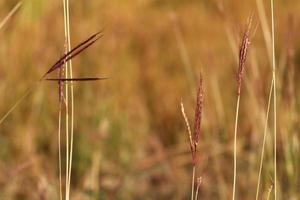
(75, 79)
(74, 52)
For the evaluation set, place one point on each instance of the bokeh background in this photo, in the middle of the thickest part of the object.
(130, 138)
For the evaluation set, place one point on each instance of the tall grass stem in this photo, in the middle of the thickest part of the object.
(264, 139)
(10, 14)
(59, 150)
(274, 98)
(65, 4)
(235, 147)
(193, 182)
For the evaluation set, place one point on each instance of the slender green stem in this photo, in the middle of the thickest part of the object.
(235, 147)
(264, 139)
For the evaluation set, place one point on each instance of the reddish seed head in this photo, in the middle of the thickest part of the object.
(74, 52)
(243, 54)
(197, 122)
(198, 113)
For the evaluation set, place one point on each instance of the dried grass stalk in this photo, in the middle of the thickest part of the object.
(242, 60)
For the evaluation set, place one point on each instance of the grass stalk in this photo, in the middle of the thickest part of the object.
(60, 99)
(10, 14)
(193, 182)
(59, 150)
(243, 52)
(274, 98)
(67, 98)
(71, 92)
(264, 139)
(67, 138)
(235, 147)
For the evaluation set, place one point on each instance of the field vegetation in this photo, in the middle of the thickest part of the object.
(130, 138)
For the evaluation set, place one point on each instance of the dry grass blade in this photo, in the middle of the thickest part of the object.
(74, 52)
(274, 98)
(264, 141)
(188, 126)
(10, 14)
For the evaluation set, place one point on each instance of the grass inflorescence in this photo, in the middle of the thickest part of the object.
(194, 138)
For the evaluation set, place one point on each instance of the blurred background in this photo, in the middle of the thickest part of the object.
(131, 141)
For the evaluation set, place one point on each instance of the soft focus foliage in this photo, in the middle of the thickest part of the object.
(130, 138)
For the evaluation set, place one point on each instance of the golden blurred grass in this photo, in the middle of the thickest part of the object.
(130, 139)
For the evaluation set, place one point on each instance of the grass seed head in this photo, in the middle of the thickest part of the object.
(243, 52)
(198, 113)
